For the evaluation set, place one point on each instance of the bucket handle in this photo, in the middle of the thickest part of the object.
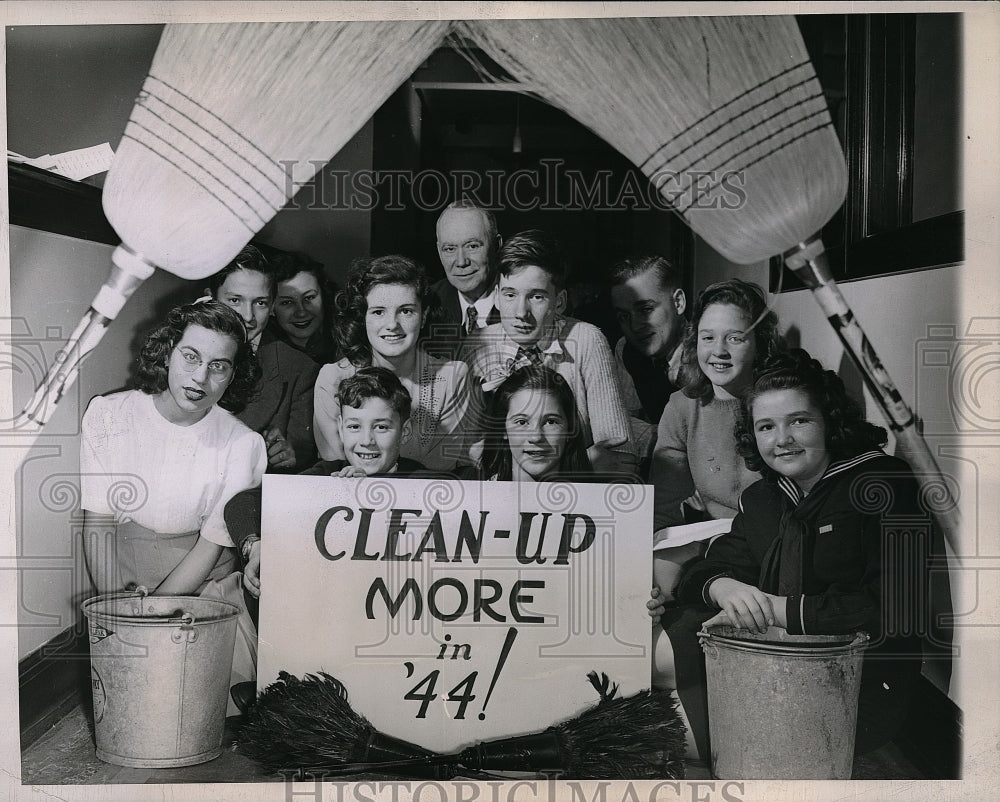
(138, 592)
(131, 591)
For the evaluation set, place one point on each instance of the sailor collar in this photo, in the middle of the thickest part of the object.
(795, 495)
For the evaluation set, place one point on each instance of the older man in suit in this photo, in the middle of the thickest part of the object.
(467, 244)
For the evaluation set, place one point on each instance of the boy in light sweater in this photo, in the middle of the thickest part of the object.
(531, 297)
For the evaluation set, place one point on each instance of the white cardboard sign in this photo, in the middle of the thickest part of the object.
(456, 612)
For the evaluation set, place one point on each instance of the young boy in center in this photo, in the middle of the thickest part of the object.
(375, 421)
(531, 298)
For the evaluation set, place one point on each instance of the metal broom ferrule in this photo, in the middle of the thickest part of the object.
(128, 271)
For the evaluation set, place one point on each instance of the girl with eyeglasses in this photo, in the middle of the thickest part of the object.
(158, 464)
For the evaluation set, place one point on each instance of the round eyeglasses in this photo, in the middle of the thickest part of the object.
(217, 368)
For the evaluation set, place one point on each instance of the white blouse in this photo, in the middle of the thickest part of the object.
(138, 466)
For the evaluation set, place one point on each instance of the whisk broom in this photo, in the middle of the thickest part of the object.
(727, 119)
(307, 726)
(231, 121)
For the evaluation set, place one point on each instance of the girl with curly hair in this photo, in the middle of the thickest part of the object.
(732, 332)
(813, 548)
(533, 430)
(382, 315)
(695, 470)
(158, 464)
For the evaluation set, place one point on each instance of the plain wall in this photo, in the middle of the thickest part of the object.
(53, 279)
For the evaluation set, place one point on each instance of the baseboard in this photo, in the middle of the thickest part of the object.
(932, 735)
(52, 681)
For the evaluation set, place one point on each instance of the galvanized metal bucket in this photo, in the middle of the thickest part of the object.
(160, 669)
(780, 706)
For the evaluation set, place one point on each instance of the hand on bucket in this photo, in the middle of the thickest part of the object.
(745, 606)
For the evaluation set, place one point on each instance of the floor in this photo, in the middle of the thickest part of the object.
(65, 755)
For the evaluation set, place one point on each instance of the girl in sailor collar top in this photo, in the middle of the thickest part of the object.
(819, 544)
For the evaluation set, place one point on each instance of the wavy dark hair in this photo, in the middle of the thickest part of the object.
(286, 265)
(352, 303)
(375, 382)
(154, 358)
(497, 460)
(847, 432)
(670, 276)
(746, 296)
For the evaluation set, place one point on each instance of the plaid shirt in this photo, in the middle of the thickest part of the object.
(575, 350)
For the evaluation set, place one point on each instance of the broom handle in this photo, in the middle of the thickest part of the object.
(536, 751)
(444, 764)
(809, 262)
(128, 271)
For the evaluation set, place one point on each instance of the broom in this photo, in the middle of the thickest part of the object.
(307, 726)
(727, 119)
(231, 121)
(310, 721)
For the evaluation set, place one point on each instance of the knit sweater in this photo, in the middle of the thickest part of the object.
(696, 451)
(579, 353)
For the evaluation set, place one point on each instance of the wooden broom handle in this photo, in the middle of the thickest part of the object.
(809, 262)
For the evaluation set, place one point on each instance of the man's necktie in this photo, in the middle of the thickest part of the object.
(471, 316)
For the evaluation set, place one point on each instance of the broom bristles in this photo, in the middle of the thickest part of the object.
(691, 101)
(234, 118)
(309, 724)
(303, 722)
(636, 737)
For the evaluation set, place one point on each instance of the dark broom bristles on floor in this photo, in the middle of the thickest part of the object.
(637, 737)
(295, 722)
(309, 723)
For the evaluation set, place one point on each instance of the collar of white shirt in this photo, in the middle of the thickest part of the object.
(550, 343)
(483, 308)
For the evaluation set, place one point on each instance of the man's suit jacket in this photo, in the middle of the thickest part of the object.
(284, 397)
(447, 330)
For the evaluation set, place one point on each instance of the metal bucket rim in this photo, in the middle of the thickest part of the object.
(226, 611)
(856, 642)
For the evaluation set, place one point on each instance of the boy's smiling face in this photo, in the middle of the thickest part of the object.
(528, 302)
(372, 435)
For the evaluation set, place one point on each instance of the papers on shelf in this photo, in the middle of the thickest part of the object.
(74, 164)
(671, 536)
